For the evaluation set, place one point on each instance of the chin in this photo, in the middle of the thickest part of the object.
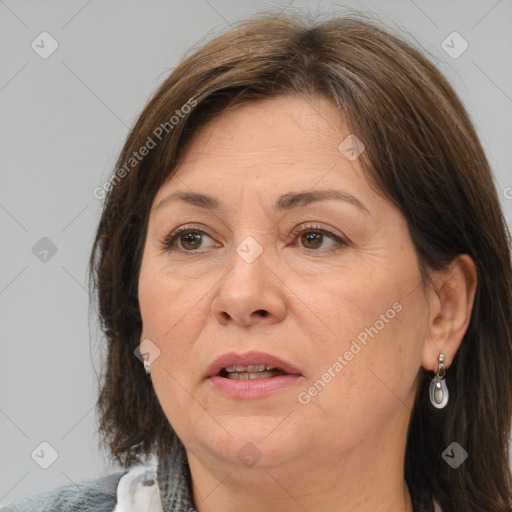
(251, 442)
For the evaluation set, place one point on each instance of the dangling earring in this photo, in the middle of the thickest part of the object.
(143, 352)
(147, 367)
(438, 389)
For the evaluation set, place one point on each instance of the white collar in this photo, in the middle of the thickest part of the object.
(138, 491)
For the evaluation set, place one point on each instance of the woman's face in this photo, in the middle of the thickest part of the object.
(285, 259)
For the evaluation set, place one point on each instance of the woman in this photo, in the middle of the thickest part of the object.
(303, 245)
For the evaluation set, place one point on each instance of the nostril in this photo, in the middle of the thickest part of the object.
(226, 317)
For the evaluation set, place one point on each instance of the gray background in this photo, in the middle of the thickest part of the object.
(63, 120)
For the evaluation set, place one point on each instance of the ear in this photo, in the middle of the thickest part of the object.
(450, 304)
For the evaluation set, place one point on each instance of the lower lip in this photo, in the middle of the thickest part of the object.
(254, 388)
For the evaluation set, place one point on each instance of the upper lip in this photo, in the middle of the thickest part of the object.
(250, 359)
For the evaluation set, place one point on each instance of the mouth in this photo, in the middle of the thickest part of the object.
(250, 366)
(251, 375)
(252, 372)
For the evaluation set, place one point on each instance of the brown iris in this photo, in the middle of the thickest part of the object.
(190, 240)
(311, 239)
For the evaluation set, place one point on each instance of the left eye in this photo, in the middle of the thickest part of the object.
(313, 238)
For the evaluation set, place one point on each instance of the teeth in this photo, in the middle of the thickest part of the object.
(253, 375)
(250, 369)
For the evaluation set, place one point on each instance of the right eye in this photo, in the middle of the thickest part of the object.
(185, 239)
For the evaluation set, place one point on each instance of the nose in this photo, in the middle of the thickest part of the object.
(249, 294)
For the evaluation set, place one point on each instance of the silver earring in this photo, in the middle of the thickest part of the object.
(438, 389)
(147, 367)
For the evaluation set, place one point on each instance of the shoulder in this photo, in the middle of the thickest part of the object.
(99, 495)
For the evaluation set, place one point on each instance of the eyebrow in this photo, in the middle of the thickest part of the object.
(285, 202)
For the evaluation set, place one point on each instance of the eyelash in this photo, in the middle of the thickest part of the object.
(168, 242)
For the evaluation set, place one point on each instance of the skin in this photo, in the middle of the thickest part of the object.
(303, 301)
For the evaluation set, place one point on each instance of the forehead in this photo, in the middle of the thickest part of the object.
(269, 147)
(281, 128)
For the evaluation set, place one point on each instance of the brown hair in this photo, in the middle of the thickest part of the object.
(422, 153)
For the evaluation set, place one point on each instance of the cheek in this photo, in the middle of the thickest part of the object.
(172, 309)
(367, 338)
(172, 312)
(343, 306)
(366, 370)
